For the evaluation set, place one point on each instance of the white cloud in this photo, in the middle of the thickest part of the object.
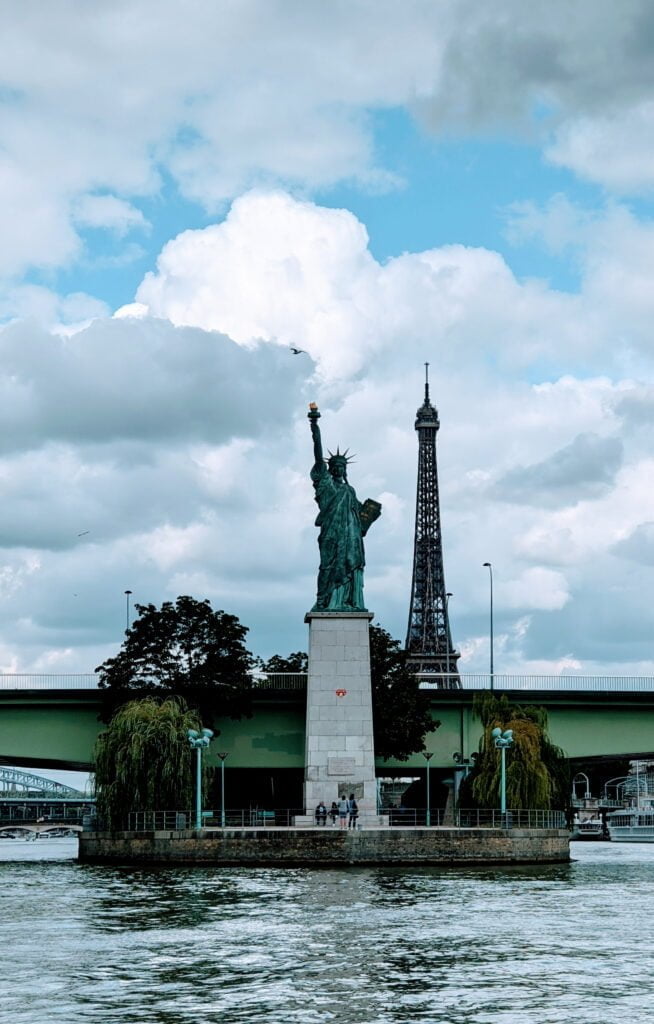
(536, 588)
(318, 288)
(64, 314)
(109, 212)
(101, 106)
(614, 150)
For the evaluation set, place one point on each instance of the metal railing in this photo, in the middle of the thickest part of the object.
(247, 817)
(70, 817)
(481, 681)
(591, 802)
(406, 817)
(430, 681)
(409, 817)
(279, 680)
(48, 681)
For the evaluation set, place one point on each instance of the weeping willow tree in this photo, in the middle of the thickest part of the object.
(537, 772)
(143, 762)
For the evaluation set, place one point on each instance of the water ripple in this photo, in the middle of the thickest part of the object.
(532, 945)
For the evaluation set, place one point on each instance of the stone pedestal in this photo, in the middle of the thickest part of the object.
(339, 752)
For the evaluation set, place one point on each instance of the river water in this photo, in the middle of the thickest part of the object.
(371, 945)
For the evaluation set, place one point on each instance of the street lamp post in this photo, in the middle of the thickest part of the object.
(502, 740)
(199, 741)
(447, 619)
(427, 754)
(490, 571)
(127, 596)
(222, 789)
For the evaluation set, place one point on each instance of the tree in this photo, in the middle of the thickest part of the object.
(401, 711)
(185, 649)
(298, 661)
(537, 773)
(143, 761)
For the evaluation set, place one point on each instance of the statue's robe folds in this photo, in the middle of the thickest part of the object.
(342, 559)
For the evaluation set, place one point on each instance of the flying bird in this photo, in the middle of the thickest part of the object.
(83, 533)
(297, 351)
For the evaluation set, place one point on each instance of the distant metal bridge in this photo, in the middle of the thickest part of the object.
(39, 830)
(15, 784)
(430, 681)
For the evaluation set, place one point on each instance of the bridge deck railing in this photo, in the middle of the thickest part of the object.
(517, 681)
(428, 681)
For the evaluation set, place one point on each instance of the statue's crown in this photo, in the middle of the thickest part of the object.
(339, 458)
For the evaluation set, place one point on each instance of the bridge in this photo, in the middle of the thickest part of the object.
(17, 785)
(39, 830)
(31, 805)
(51, 721)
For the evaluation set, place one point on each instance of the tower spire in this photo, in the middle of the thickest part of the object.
(429, 641)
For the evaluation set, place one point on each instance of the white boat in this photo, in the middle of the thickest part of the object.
(591, 828)
(632, 825)
(635, 824)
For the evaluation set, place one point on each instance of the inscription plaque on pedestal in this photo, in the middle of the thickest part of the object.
(341, 766)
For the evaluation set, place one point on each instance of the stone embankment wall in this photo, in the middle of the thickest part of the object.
(315, 847)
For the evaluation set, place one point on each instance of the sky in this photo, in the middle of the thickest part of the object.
(189, 189)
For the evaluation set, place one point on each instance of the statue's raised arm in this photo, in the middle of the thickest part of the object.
(314, 416)
(343, 522)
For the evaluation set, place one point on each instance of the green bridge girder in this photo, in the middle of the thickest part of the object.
(58, 728)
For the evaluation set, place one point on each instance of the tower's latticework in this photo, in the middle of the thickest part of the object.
(429, 642)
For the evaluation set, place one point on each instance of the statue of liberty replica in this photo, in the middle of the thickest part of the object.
(343, 523)
(339, 750)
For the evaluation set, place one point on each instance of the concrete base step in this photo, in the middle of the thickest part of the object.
(363, 821)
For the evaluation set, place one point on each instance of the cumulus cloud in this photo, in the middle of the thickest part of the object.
(537, 588)
(583, 469)
(319, 288)
(583, 77)
(100, 107)
(125, 380)
(614, 150)
(638, 546)
(64, 314)
(635, 406)
(109, 212)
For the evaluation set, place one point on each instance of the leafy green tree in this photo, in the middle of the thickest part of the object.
(185, 649)
(537, 772)
(143, 761)
(298, 661)
(401, 711)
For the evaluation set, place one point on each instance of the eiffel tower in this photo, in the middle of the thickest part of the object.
(428, 640)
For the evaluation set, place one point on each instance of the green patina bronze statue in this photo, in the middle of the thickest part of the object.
(343, 523)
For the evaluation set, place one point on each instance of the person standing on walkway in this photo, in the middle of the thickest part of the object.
(353, 809)
(343, 808)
